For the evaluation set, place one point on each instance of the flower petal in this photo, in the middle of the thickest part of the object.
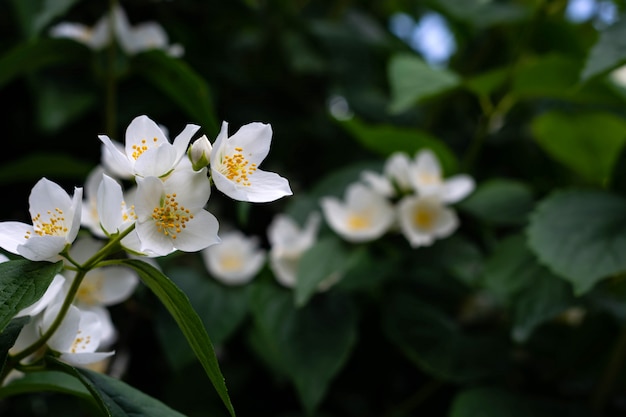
(200, 233)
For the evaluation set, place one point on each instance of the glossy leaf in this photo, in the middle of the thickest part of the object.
(587, 143)
(178, 81)
(177, 303)
(411, 80)
(311, 343)
(500, 201)
(580, 235)
(608, 53)
(22, 283)
(8, 338)
(46, 381)
(387, 139)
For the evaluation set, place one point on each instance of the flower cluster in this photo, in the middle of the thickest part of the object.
(410, 195)
(162, 211)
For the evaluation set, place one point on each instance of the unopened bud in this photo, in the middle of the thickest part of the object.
(200, 153)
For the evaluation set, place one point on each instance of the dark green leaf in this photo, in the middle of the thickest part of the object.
(114, 397)
(438, 345)
(51, 381)
(221, 308)
(177, 303)
(311, 343)
(529, 290)
(181, 84)
(608, 53)
(500, 201)
(580, 235)
(8, 338)
(387, 139)
(39, 53)
(588, 143)
(483, 13)
(36, 165)
(497, 402)
(411, 80)
(22, 283)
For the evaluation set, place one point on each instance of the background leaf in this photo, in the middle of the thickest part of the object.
(608, 52)
(580, 235)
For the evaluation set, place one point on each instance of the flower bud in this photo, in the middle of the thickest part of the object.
(199, 153)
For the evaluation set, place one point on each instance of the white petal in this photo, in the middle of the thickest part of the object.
(49, 296)
(143, 131)
(192, 188)
(42, 248)
(254, 139)
(181, 142)
(110, 204)
(13, 234)
(148, 196)
(457, 188)
(152, 240)
(84, 358)
(200, 233)
(156, 161)
(63, 338)
(265, 187)
(114, 158)
(117, 284)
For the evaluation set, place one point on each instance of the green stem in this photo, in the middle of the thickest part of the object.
(111, 247)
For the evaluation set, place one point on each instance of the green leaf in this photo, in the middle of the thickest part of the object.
(310, 344)
(114, 397)
(411, 80)
(36, 15)
(387, 139)
(436, 343)
(311, 272)
(497, 402)
(8, 338)
(40, 53)
(46, 381)
(181, 84)
(580, 235)
(608, 53)
(177, 303)
(22, 283)
(482, 14)
(587, 143)
(222, 309)
(33, 166)
(488, 82)
(500, 201)
(529, 290)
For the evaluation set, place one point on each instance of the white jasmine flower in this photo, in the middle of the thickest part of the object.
(142, 37)
(424, 219)
(114, 212)
(426, 178)
(379, 183)
(365, 215)
(288, 243)
(235, 260)
(56, 221)
(170, 214)
(89, 217)
(78, 337)
(96, 37)
(235, 164)
(397, 169)
(147, 151)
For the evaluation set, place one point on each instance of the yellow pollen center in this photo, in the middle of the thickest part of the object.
(53, 225)
(140, 149)
(424, 218)
(170, 217)
(128, 213)
(80, 343)
(231, 263)
(427, 178)
(358, 222)
(237, 168)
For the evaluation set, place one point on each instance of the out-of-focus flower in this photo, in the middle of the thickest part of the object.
(427, 179)
(56, 221)
(397, 169)
(365, 215)
(235, 260)
(288, 243)
(171, 215)
(379, 183)
(200, 153)
(235, 164)
(78, 337)
(424, 219)
(147, 151)
(132, 39)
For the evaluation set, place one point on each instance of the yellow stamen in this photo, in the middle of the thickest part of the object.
(53, 225)
(171, 217)
(237, 168)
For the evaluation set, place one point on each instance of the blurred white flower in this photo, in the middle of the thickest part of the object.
(424, 219)
(132, 39)
(147, 151)
(397, 169)
(427, 179)
(379, 183)
(288, 243)
(235, 260)
(364, 216)
(56, 221)
(235, 164)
